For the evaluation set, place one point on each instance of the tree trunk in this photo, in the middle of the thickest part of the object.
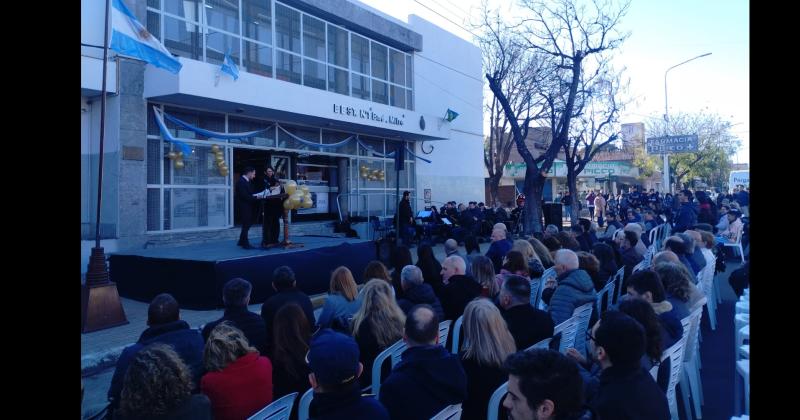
(533, 188)
(573, 191)
(494, 188)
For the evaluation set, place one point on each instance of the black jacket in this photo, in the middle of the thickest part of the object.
(276, 302)
(431, 273)
(457, 294)
(244, 199)
(482, 381)
(425, 381)
(347, 404)
(406, 214)
(629, 260)
(629, 393)
(421, 294)
(528, 325)
(196, 407)
(251, 324)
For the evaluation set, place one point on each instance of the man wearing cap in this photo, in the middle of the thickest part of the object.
(428, 378)
(333, 360)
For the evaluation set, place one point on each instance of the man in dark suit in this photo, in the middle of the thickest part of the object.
(273, 208)
(236, 297)
(245, 201)
(528, 325)
(406, 216)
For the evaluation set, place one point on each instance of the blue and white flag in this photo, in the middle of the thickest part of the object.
(229, 67)
(129, 37)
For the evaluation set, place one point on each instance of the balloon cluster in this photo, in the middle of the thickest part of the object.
(219, 159)
(177, 159)
(371, 174)
(299, 196)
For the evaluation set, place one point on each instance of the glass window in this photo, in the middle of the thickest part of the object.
(186, 9)
(223, 14)
(156, 4)
(288, 142)
(218, 43)
(238, 125)
(287, 28)
(409, 71)
(257, 58)
(167, 164)
(379, 61)
(330, 137)
(375, 144)
(361, 86)
(153, 161)
(167, 210)
(359, 59)
(397, 67)
(380, 92)
(192, 208)
(337, 80)
(372, 166)
(337, 46)
(153, 209)
(182, 38)
(313, 38)
(398, 96)
(257, 16)
(152, 126)
(186, 116)
(391, 174)
(287, 67)
(314, 74)
(200, 168)
(154, 24)
(410, 99)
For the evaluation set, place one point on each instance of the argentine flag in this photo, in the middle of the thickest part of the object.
(229, 67)
(129, 37)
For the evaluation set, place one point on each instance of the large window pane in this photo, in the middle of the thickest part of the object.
(331, 137)
(380, 92)
(182, 38)
(337, 46)
(287, 67)
(187, 9)
(207, 120)
(153, 161)
(313, 38)
(154, 24)
(152, 126)
(257, 16)
(153, 209)
(337, 80)
(287, 28)
(223, 14)
(192, 208)
(398, 96)
(379, 61)
(372, 166)
(218, 43)
(361, 86)
(409, 71)
(257, 58)
(314, 74)
(360, 56)
(200, 168)
(374, 143)
(288, 142)
(154, 4)
(397, 67)
(239, 125)
(409, 99)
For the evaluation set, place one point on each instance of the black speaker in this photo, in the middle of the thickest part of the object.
(552, 214)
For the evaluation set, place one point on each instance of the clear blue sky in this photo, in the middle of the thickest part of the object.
(663, 33)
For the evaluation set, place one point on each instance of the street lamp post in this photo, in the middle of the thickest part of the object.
(667, 186)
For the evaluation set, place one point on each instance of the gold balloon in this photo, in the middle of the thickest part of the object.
(219, 158)
(214, 148)
(304, 188)
(287, 204)
(295, 200)
(220, 163)
(307, 204)
(223, 173)
(291, 187)
(179, 164)
(172, 155)
(180, 155)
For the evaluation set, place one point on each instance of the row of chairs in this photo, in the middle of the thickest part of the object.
(742, 376)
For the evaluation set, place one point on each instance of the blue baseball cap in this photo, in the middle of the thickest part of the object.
(333, 357)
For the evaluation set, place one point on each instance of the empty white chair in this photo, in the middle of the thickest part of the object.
(451, 412)
(742, 307)
(675, 354)
(279, 409)
(305, 402)
(544, 344)
(742, 375)
(641, 266)
(394, 351)
(691, 370)
(495, 401)
(568, 330)
(707, 286)
(456, 335)
(583, 314)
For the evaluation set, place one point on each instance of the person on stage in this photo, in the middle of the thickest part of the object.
(273, 208)
(245, 201)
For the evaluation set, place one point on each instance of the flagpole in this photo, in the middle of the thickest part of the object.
(100, 304)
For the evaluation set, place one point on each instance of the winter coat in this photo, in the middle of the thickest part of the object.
(629, 393)
(240, 389)
(687, 218)
(482, 381)
(575, 288)
(338, 311)
(455, 296)
(528, 325)
(497, 251)
(422, 293)
(347, 404)
(251, 324)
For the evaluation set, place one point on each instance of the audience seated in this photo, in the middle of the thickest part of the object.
(483, 272)
(430, 266)
(238, 380)
(696, 260)
(568, 241)
(499, 248)
(528, 325)
(675, 244)
(639, 246)
(283, 281)
(335, 369)
(236, 297)
(401, 257)
(573, 287)
(487, 343)
(552, 243)
(550, 230)
(630, 257)
(428, 378)
(290, 341)
(647, 285)
(626, 391)
(591, 265)
(513, 264)
(416, 292)
(608, 265)
(459, 289)
(342, 301)
(678, 286)
(158, 385)
(542, 252)
(163, 326)
(658, 338)
(535, 267)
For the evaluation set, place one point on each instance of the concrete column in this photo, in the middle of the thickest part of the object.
(133, 165)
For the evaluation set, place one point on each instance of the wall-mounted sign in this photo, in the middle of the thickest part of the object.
(369, 114)
(592, 170)
(672, 144)
(427, 195)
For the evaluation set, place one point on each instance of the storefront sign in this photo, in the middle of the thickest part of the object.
(592, 170)
(368, 114)
(672, 144)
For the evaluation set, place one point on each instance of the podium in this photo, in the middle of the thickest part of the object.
(286, 243)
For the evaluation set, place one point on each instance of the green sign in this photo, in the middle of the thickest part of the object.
(591, 170)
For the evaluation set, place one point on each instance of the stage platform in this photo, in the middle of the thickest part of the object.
(195, 274)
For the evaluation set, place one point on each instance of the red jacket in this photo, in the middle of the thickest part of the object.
(241, 389)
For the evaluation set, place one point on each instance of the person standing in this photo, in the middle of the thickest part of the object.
(590, 203)
(405, 216)
(245, 201)
(567, 202)
(600, 209)
(273, 208)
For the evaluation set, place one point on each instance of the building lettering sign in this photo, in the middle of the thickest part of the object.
(591, 170)
(368, 114)
(672, 144)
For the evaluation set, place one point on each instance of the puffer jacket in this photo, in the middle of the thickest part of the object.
(575, 288)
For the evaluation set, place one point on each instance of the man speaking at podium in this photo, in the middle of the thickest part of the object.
(273, 208)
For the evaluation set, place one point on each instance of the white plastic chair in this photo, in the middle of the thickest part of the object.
(544, 344)
(456, 335)
(536, 284)
(583, 314)
(550, 272)
(568, 330)
(495, 401)
(618, 280)
(394, 352)
(691, 382)
(742, 374)
(653, 236)
(737, 245)
(305, 402)
(742, 335)
(742, 307)
(279, 409)
(444, 331)
(744, 351)
(675, 354)
(451, 412)
(604, 297)
(707, 286)
(641, 266)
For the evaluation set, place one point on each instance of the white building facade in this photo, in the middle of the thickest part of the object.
(319, 70)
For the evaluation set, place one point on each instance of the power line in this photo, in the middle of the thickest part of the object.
(448, 67)
(456, 6)
(446, 18)
(450, 10)
(448, 92)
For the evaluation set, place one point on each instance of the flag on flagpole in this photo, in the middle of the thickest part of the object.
(229, 66)
(129, 37)
(451, 115)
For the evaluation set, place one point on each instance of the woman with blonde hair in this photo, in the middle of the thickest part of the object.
(342, 301)
(377, 324)
(535, 267)
(483, 273)
(542, 252)
(487, 344)
(238, 380)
